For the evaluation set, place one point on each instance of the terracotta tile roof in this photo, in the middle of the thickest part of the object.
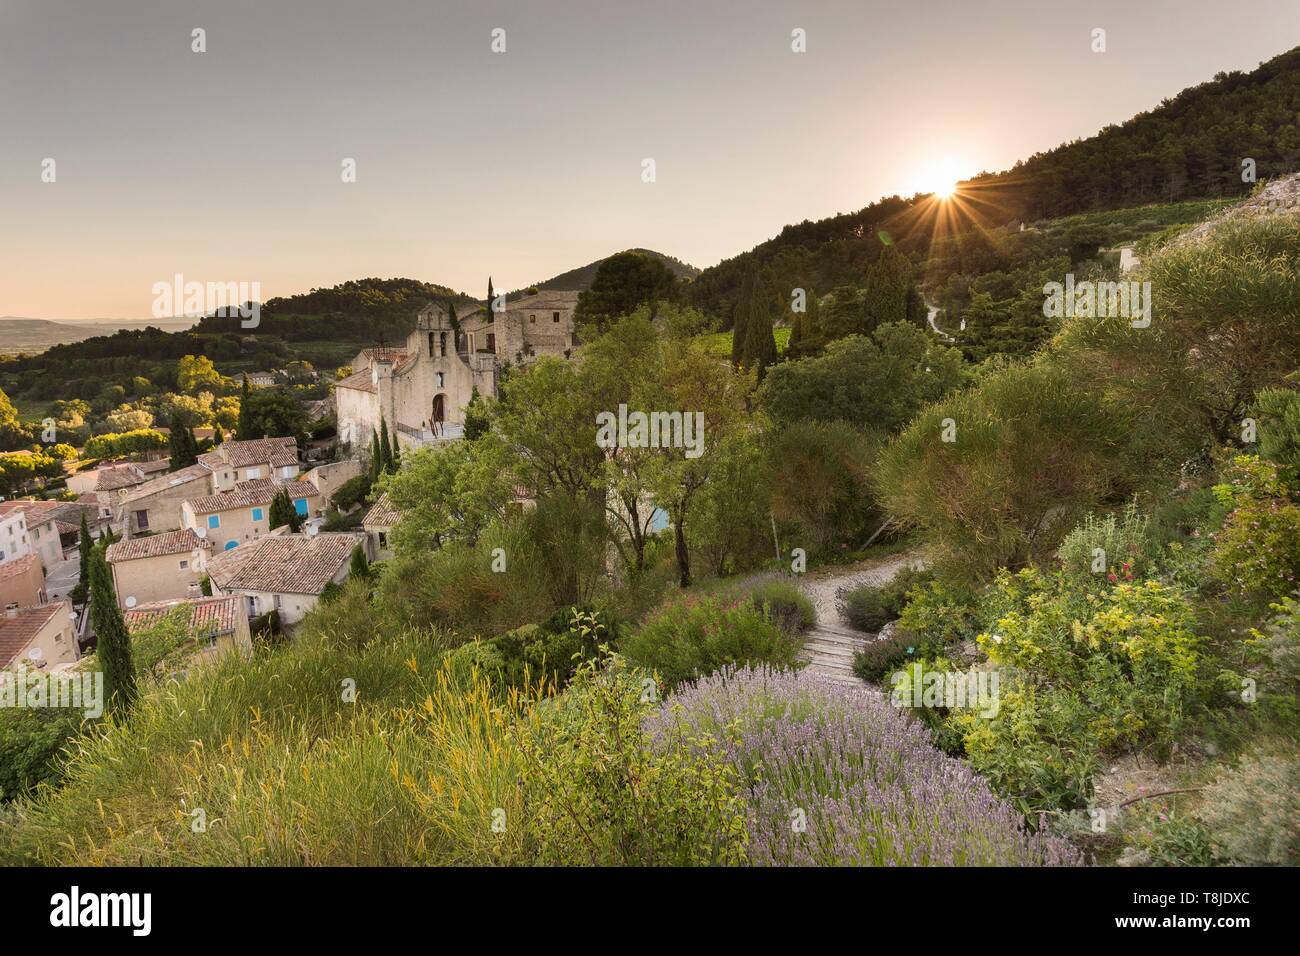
(165, 482)
(382, 514)
(118, 477)
(384, 354)
(284, 563)
(212, 615)
(17, 632)
(358, 381)
(154, 545)
(37, 512)
(18, 567)
(250, 494)
(277, 452)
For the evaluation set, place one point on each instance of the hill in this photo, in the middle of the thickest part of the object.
(580, 279)
(30, 336)
(1188, 148)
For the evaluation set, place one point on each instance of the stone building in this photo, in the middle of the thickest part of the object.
(421, 389)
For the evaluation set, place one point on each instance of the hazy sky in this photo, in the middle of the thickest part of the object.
(225, 165)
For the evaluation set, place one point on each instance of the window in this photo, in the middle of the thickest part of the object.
(142, 520)
(532, 319)
(440, 381)
(185, 565)
(300, 506)
(231, 544)
(555, 316)
(214, 521)
(257, 514)
(277, 602)
(253, 473)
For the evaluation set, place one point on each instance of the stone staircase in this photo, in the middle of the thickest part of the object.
(829, 650)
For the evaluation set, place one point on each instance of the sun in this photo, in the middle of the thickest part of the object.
(939, 177)
(944, 188)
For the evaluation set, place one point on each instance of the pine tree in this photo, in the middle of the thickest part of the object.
(112, 640)
(359, 566)
(244, 427)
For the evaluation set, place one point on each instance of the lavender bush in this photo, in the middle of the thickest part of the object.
(834, 775)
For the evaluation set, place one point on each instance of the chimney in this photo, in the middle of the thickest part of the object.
(11, 610)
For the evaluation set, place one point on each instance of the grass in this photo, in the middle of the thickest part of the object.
(719, 343)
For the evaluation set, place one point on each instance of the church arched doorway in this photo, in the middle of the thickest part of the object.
(439, 411)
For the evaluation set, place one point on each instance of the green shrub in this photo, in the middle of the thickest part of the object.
(870, 607)
(1111, 547)
(938, 615)
(785, 605)
(881, 657)
(603, 794)
(32, 742)
(1258, 548)
(1252, 810)
(694, 638)
(545, 654)
(1278, 410)
(1168, 838)
(992, 476)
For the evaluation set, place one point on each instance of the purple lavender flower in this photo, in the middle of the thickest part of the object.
(835, 776)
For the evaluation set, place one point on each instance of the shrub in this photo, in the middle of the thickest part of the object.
(990, 475)
(787, 606)
(601, 794)
(938, 615)
(1251, 811)
(881, 657)
(835, 776)
(694, 638)
(1112, 547)
(32, 741)
(1258, 548)
(1279, 428)
(869, 607)
(351, 493)
(547, 654)
(1168, 838)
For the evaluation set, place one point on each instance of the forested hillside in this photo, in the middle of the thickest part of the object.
(1189, 147)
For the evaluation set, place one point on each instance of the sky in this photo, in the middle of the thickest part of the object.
(227, 165)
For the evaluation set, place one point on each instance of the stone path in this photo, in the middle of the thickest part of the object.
(830, 645)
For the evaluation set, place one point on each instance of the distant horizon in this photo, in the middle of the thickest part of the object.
(527, 163)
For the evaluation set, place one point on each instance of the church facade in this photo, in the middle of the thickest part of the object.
(421, 389)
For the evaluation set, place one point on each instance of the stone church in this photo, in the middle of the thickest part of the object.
(421, 389)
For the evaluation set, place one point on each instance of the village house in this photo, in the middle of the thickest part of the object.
(15, 543)
(41, 637)
(40, 527)
(420, 391)
(378, 524)
(22, 582)
(330, 477)
(285, 573)
(156, 567)
(156, 505)
(236, 461)
(229, 518)
(217, 624)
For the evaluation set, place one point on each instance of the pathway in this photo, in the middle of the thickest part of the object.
(829, 645)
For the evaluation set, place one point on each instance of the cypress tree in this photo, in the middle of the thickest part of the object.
(244, 427)
(740, 321)
(376, 463)
(283, 512)
(491, 295)
(385, 448)
(753, 345)
(112, 640)
(182, 444)
(218, 436)
(359, 567)
(84, 546)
